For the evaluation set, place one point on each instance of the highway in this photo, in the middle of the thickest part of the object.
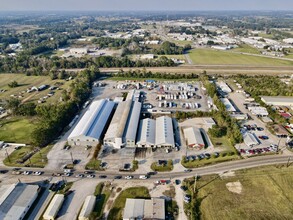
(212, 169)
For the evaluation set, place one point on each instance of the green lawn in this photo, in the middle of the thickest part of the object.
(208, 161)
(222, 144)
(17, 155)
(215, 57)
(244, 48)
(160, 168)
(40, 159)
(16, 129)
(29, 81)
(266, 194)
(118, 206)
(93, 164)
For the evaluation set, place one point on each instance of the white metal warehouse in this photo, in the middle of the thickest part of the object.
(164, 132)
(54, 207)
(123, 127)
(193, 137)
(87, 208)
(16, 200)
(147, 133)
(250, 139)
(278, 100)
(91, 126)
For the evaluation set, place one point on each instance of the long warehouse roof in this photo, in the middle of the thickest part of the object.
(164, 131)
(93, 121)
(54, 206)
(147, 132)
(119, 120)
(131, 127)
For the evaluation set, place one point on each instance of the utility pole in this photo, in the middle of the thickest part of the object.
(71, 157)
(7, 155)
(288, 162)
(195, 181)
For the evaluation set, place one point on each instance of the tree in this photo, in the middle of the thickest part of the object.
(13, 84)
(13, 105)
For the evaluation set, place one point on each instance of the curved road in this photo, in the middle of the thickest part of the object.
(213, 169)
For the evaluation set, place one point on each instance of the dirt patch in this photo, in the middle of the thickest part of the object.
(234, 187)
(227, 174)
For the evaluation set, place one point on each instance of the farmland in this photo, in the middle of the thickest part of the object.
(214, 57)
(264, 193)
(25, 82)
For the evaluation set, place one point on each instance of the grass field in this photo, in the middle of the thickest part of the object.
(266, 194)
(29, 81)
(16, 130)
(244, 48)
(118, 206)
(214, 57)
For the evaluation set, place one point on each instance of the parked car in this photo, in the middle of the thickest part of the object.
(129, 177)
(80, 175)
(117, 177)
(93, 176)
(143, 177)
(102, 176)
(38, 173)
(26, 172)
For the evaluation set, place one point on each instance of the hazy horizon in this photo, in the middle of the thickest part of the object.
(150, 5)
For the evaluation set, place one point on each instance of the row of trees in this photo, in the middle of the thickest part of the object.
(31, 65)
(226, 126)
(144, 74)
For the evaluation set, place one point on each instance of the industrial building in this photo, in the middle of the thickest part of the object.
(224, 87)
(152, 209)
(250, 139)
(16, 200)
(164, 132)
(87, 208)
(228, 105)
(123, 127)
(91, 126)
(147, 133)
(54, 207)
(278, 100)
(193, 137)
(258, 111)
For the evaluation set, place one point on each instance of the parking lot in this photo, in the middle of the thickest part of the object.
(255, 126)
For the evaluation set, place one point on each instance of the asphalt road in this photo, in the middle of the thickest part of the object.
(213, 169)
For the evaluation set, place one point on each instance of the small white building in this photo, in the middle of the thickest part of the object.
(258, 110)
(54, 207)
(193, 137)
(87, 208)
(250, 139)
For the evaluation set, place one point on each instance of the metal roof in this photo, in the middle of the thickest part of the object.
(16, 199)
(250, 139)
(277, 100)
(134, 209)
(154, 209)
(228, 105)
(147, 132)
(193, 136)
(119, 120)
(164, 131)
(54, 206)
(131, 127)
(87, 207)
(94, 120)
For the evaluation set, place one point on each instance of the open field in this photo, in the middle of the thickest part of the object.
(29, 81)
(118, 206)
(244, 48)
(264, 193)
(16, 130)
(213, 57)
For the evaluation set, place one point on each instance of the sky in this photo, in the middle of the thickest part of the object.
(143, 5)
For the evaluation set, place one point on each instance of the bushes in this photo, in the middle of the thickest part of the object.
(162, 168)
